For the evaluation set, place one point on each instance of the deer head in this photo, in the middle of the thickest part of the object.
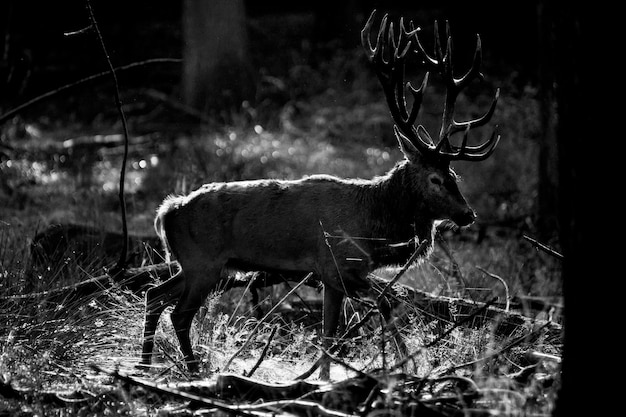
(429, 162)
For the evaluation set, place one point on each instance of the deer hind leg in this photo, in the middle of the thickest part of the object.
(198, 284)
(331, 312)
(157, 299)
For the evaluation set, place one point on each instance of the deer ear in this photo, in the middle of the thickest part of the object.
(406, 146)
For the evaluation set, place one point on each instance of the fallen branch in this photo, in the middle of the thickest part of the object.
(452, 309)
(175, 393)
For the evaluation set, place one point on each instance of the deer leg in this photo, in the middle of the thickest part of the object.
(331, 312)
(197, 287)
(385, 308)
(157, 299)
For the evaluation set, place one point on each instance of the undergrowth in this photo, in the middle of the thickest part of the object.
(48, 344)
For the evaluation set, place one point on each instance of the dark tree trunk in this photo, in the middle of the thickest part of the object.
(547, 211)
(217, 74)
(582, 118)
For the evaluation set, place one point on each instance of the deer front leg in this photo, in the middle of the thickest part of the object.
(333, 300)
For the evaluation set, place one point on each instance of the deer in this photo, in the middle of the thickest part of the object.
(337, 229)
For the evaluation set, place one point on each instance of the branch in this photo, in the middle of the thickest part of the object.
(504, 284)
(543, 247)
(151, 386)
(263, 353)
(121, 263)
(16, 110)
(418, 252)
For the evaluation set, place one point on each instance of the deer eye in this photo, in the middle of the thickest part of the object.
(436, 179)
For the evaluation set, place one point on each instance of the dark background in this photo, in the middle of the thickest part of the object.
(35, 42)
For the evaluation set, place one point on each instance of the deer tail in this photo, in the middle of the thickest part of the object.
(159, 224)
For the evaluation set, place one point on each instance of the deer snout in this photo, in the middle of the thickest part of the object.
(466, 218)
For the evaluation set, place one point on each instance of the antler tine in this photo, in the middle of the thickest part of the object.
(374, 53)
(389, 56)
(448, 125)
(365, 35)
(477, 153)
(391, 70)
(486, 149)
(480, 121)
(438, 50)
(380, 42)
(418, 95)
(474, 71)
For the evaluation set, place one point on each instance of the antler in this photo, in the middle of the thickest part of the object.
(389, 57)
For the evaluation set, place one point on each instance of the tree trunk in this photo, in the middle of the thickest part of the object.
(547, 211)
(216, 74)
(582, 119)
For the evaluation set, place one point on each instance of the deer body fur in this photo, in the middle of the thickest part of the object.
(331, 226)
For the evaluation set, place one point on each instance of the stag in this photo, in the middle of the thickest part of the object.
(337, 229)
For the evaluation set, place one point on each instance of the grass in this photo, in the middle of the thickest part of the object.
(50, 345)
(332, 127)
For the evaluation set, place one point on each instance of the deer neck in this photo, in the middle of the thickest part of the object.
(399, 211)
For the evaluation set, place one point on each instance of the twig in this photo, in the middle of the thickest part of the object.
(253, 332)
(543, 247)
(418, 252)
(308, 408)
(121, 263)
(504, 284)
(263, 353)
(9, 114)
(382, 342)
(444, 334)
(245, 291)
(456, 269)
